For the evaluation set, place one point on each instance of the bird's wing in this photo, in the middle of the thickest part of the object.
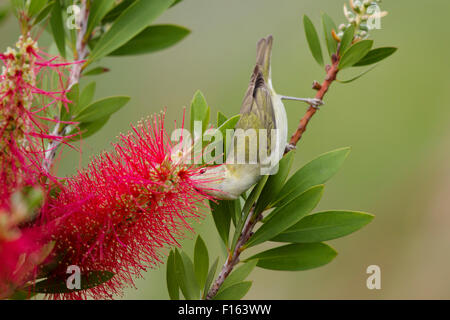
(257, 111)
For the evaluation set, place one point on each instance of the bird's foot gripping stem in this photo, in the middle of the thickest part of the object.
(313, 102)
(290, 147)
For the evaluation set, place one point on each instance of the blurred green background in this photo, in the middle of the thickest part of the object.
(395, 119)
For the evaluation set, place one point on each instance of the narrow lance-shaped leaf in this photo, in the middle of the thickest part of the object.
(240, 274)
(347, 38)
(153, 38)
(171, 278)
(210, 278)
(44, 13)
(295, 257)
(86, 96)
(313, 40)
(186, 276)
(221, 118)
(357, 76)
(222, 219)
(57, 27)
(328, 27)
(199, 110)
(325, 226)
(95, 71)
(284, 217)
(234, 292)
(275, 182)
(87, 129)
(201, 261)
(36, 6)
(376, 55)
(130, 23)
(254, 195)
(355, 53)
(102, 108)
(190, 280)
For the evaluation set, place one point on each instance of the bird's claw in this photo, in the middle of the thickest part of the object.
(290, 147)
(315, 103)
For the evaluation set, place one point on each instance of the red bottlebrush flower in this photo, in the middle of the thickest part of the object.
(13, 254)
(25, 110)
(22, 250)
(120, 213)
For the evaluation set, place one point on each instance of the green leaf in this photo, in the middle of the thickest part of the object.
(376, 55)
(236, 210)
(95, 71)
(89, 280)
(221, 118)
(192, 291)
(358, 76)
(88, 129)
(44, 13)
(234, 292)
(313, 40)
(36, 6)
(347, 38)
(97, 12)
(130, 23)
(316, 172)
(171, 278)
(199, 110)
(284, 217)
(275, 183)
(153, 38)
(222, 218)
(325, 226)
(102, 108)
(57, 27)
(295, 257)
(238, 275)
(355, 53)
(254, 195)
(201, 261)
(210, 278)
(87, 95)
(328, 27)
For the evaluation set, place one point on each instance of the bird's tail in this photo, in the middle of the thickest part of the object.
(263, 56)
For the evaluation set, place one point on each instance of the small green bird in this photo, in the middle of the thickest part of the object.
(262, 108)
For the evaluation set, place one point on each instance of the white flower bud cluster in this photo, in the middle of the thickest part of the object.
(364, 15)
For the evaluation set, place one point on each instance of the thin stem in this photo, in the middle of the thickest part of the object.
(75, 74)
(252, 220)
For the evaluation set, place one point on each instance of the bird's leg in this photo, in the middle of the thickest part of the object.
(315, 103)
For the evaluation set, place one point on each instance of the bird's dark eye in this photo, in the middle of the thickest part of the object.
(202, 171)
